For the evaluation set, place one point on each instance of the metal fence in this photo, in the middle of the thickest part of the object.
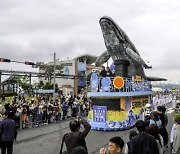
(31, 119)
(130, 85)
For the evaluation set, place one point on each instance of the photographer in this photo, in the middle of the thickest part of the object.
(76, 137)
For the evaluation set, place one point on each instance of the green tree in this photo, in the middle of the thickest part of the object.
(48, 69)
(56, 88)
(23, 81)
(41, 85)
(48, 85)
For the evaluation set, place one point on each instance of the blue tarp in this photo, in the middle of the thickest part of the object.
(41, 91)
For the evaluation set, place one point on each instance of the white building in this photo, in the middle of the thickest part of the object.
(72, 69)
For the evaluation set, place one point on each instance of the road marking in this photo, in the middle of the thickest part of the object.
(170, 111)
(171, 108)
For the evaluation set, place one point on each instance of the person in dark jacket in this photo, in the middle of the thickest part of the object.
(108, 72)
(127, 146)
(77, 138)
(164, 121)
(143, 143)
(103, 72)
(79, 150)
(8, 133)
(161, 115)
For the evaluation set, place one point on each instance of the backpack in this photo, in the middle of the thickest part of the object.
(62, 143)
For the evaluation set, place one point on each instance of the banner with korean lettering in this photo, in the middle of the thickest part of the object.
(99, 114)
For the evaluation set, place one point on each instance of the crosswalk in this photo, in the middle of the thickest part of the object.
(170, 110)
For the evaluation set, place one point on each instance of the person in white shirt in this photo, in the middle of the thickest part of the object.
(172, 135)
(176, 136)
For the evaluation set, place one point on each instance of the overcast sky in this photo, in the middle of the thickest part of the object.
(33, 30)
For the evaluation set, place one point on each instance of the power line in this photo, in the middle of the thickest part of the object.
(163, 61)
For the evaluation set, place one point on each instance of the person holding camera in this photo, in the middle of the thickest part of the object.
(76, 137)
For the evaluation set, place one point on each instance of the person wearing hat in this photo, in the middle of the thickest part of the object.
(176, 136)
(148, 110)
(155, 119)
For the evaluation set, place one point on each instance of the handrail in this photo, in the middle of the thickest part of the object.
(130, 85)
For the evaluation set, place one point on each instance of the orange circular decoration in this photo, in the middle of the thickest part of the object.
(118, 82)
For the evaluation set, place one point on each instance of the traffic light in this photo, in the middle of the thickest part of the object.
(5, 60)
(29, 63)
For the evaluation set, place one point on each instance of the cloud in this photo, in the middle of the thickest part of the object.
(34, 30)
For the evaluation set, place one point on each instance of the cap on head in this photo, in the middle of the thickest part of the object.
(148, 105)
(177, 117)
(155, 115)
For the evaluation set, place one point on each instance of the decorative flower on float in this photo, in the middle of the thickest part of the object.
(118, 82)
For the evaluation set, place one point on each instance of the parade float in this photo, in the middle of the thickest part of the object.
(118, 102)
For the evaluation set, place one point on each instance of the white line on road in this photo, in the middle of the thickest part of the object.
(170, 111)
(171, 108)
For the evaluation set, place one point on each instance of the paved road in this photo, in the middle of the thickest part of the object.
(47, 139)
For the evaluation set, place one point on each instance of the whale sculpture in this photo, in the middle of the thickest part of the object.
(120, 48)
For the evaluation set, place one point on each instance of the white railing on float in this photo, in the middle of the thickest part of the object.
(130, 85)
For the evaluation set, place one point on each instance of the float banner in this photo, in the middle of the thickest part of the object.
(82, 72)
(99, 114)
(45, 91)
(138, 102)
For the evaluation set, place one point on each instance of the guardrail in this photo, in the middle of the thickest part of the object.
(129, 85)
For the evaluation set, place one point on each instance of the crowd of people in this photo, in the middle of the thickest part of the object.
(40, 110)
(151, 136)
(43, 109)
(163, 98)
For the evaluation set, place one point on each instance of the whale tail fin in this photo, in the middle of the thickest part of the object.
(156, 79)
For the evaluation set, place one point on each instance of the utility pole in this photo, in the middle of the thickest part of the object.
(0, 83)
(30, 88)
(54, 75)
